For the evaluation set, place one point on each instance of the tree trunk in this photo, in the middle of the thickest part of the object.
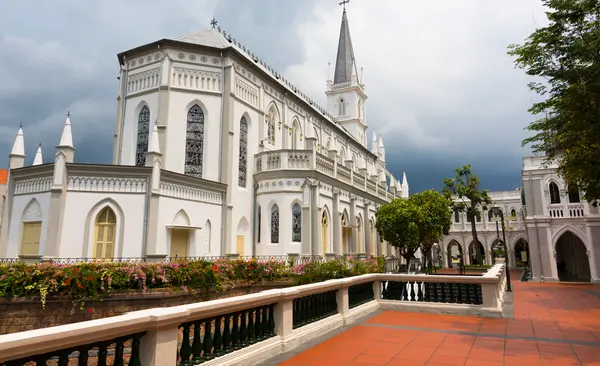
(475, 240)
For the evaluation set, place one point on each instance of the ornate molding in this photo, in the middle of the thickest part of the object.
(33, 185)
(106, 184)
(144, 74)
(189, 193)
(196, 72)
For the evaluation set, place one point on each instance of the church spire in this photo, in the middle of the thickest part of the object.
(345, 65)
(38, 160)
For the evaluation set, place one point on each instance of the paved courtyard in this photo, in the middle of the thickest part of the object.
(554, 324)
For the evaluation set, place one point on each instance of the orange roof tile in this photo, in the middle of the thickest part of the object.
(3, 176)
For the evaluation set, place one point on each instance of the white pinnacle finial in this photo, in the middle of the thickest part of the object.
(38, 160)
(66, 139)
(404, 181)
(154, 145)
(18, 148)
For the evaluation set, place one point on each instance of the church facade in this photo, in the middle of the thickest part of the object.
(215, 153)
(563, 229)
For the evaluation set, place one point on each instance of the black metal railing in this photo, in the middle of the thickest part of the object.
(117, 352)
(226, 333)
(392, 264)
(311, 308)
(457, 293)
(360, 294)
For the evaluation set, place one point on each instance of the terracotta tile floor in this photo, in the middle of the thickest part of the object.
(554, 324)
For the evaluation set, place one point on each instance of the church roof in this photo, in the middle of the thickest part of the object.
(207, 37)
(345, 65)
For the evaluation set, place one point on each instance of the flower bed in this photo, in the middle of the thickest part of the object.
(83, 282)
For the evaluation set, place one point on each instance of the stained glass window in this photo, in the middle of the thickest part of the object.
(142, 136)
(194, 142)
(554, 193)
(243, 152)
(296, 223)
(271, 126)
(274, 224)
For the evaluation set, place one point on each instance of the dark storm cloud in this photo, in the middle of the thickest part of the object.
(440, 102)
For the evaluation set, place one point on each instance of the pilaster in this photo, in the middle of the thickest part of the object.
(367, 228)
(353, 240)
(314, 212)
(226, 164)
(57, 203)
(336, 221)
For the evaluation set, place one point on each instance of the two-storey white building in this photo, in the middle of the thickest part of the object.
(460, 240)
(215, 153)
(563, 230)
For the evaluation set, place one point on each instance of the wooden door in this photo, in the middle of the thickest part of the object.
(30, 243)
(239, 245)
(179, 243)
(345, 240)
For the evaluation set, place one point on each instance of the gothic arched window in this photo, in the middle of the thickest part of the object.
(513, 213)
(574, 194)
(142, 136)
(554, 193)
(490, 215)
(296, 223)
(243, 158)
(271, 126)
(274, 224)
(456, 217)
(106, 228)
(194, 142)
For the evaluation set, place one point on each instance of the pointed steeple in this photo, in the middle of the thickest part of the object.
(18, 148)
(153, 154)
(404, 181)
(374, 143)
(345, 65)
(16, 159)
(38, 160)
(66, 139)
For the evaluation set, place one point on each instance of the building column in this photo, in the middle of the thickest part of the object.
(353, 242)
(226, 163)
(314, 215)
(367, 227)
(336, 222)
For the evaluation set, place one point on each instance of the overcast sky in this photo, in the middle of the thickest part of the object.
(441, 87)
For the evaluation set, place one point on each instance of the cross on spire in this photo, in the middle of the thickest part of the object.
(68, 113)
(343, 3)
(213, 22)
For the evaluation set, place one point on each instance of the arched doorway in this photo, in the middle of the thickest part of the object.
(498, 249)
(473, 255)
(521, 253)
(346, 233)
(454, 250)
(572, 262)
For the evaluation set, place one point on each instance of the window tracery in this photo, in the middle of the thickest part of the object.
(554, 193)
(274, 224)
(243, 155)
(194, 142)
(296, 223)
(142, 136)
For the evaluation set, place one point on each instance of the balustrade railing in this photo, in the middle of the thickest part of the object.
(566, 210)
(248, 328)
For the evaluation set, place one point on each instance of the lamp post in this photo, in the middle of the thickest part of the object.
(500, 215)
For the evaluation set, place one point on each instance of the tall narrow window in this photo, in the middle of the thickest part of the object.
(142, 136)
(295, 135)
(342, 107)
(513, 214)
(456, 217)
(243, 158)
(574, 194)
(270, 119)
(324, 232)
(490, 215)
(296, 223)
(478, 216)
(194, 142)
(274, 224)
(259, 223)
(106, 225)
(554, 193)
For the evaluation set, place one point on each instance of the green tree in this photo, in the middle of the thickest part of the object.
(395, 224)
(465, 196)
(433, 217)
(564, 58)
(417, 222)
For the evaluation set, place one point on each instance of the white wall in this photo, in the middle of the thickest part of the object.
(82, 208)
(19, 205)
(284, 201)
(198, 213)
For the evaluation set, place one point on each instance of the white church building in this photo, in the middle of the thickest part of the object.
(214, 154)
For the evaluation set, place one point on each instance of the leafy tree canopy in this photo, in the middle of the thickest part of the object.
(565, 58)
(463, 192)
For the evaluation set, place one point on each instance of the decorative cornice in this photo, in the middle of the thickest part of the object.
(196, 72)
(33, 185)
(106, 184)
(190, 193)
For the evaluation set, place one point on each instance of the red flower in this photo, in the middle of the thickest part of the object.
(90, 310)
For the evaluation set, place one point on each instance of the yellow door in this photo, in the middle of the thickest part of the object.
(239, 245)
(345, 240)
(30, 243)
(179, 243)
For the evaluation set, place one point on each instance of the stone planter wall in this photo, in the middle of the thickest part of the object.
(21, 314)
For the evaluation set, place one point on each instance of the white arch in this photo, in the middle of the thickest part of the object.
(325, 212)
(202, 107)
(577, 232)
(207, 237)
(243, 226)
(90, 226)
(181, 218)
(32, 212)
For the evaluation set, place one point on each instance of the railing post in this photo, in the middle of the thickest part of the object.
(284, 314)
(377, 290)
(341, 297)
(159, 346)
